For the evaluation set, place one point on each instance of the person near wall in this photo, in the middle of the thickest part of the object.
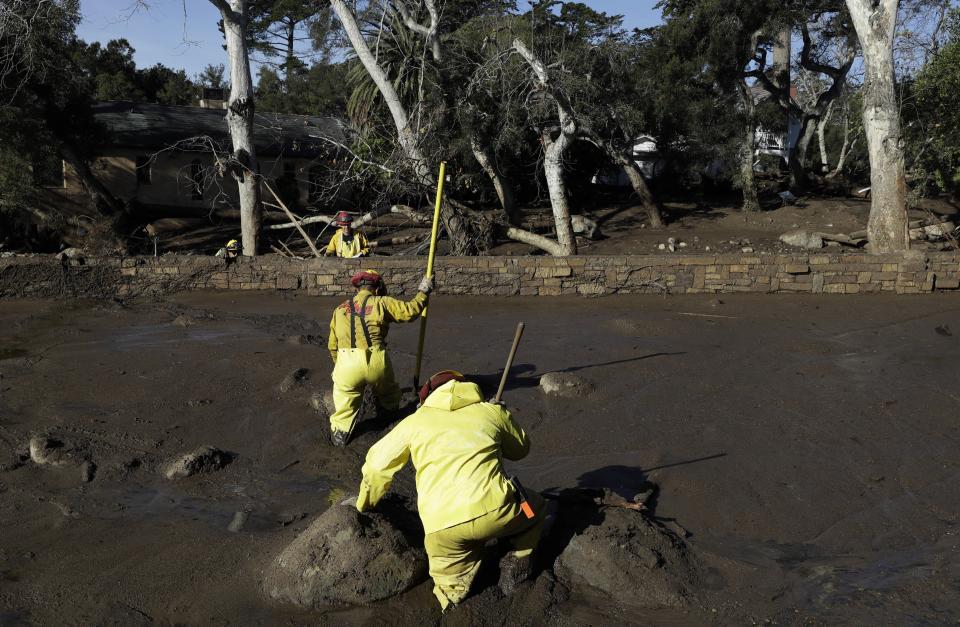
(346, 242)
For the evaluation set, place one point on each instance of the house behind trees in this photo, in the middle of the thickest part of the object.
(161, 160)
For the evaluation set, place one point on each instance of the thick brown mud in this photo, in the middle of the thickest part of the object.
(805, 447)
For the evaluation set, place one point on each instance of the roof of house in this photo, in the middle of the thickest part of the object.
(156, 127)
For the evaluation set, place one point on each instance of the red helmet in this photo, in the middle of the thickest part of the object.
(367, 277)
(342, 219)
(437, 380)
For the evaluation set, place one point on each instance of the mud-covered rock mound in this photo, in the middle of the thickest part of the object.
(631, 559)
(565, 385)
(345, 558)
(201, 459)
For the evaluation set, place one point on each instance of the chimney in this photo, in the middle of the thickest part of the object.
(213, 98)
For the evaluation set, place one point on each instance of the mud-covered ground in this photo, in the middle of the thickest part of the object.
(807, 444)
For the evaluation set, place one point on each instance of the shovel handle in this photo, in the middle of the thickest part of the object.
(506, 369)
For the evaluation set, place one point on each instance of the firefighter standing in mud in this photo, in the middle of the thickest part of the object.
(358, 334)
(345, 242)
(456, 442)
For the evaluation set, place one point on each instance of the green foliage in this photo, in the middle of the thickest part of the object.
(213, 76)
(932, 125)
(319, 90)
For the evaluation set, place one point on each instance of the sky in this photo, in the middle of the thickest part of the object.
(160, 34)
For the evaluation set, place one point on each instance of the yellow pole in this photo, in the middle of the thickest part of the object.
(433, 253)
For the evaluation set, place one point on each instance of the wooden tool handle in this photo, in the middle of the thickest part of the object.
(506, 369)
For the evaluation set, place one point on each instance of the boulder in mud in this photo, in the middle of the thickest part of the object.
(632, 560)
(183, 320)
(293, 380)
(202, 459)
(322, 402)
(306, 340)
(48, 451)
(565, 384)
(345, 558)
(802, 239)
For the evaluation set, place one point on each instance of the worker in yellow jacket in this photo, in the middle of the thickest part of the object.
(346, 242)
(358, 347)
(456, 442)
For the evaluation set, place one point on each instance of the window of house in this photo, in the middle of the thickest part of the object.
(196, 179)
(48, 171)
(144, 164)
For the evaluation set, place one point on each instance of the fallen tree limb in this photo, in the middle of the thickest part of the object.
(539, 241)
(403, 210)
(394, 241)
(293, 221)
(303, 222)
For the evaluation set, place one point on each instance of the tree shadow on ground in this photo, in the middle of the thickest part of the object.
(528, 376)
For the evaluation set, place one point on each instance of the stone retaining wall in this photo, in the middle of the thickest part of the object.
(912, 273)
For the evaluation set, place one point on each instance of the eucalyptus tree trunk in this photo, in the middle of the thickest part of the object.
(782, 47)
(500, 183)
(405, 133)
(240, 115)
(822, 139)
(554, 150)
(798, 157)
(875, 22)
(745, 176)
(637, 181)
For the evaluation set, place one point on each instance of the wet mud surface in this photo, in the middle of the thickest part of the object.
(804, 450)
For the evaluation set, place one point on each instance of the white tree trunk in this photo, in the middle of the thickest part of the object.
(844, 149)
(554, 149)
(405, 134)
(875, 22)
(502, 186)
(240, 113)
(822, 139)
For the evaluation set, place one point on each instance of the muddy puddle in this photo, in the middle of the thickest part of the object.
(812, 472)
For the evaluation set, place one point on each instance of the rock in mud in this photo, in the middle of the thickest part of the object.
(632, 560)
(306, 340)
(47, 451)
(238, 521)
(293, 380)
(183, 320)
(322, 402)
(565, 384)
(802, 239)
(345, 558)
(88, 470)
(203, 459)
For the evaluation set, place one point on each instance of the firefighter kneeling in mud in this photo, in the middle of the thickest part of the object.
(358, 346)
(456, 442)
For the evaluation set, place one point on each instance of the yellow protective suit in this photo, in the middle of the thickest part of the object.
(457, 443)
(358, 346)
(356, 246)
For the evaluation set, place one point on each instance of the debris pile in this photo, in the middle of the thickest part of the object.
(631, 559)
(345, 558)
